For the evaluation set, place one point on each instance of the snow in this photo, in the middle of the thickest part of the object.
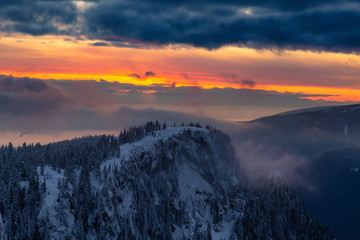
(128, 199)
(357, 169)
(24, 184)
(1, 228)
(178, 233)
(52, 192)
(193, 188)
(127, 150)
(110, 163)
(156, 198)
(190, 181)
(225, 233)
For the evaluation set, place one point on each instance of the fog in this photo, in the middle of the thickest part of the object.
(44, 111)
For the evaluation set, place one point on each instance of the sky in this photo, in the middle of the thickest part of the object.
(105, 64)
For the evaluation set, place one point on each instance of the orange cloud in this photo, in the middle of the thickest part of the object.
(288, 71)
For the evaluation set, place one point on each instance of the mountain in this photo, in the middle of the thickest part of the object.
(336, 175)
(307, 132)
(342, 120)
(151, 182)
(312, 109)
(328, 138)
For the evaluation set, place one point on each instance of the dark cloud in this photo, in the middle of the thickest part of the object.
(11, 84)
(231, 77)
(294, 5)
(135, 75)
(248, 83)
(69, 39)
(38, 17)
(100, 44)
(150, 74)
(313, 25)
(20, 97)
(184, 75)
(228, 76)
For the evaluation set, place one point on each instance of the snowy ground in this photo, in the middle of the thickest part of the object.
(225, 233)
(146, 143)
(52, 192)
(190, 181)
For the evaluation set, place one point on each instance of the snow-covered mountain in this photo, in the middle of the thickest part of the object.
(149, 183)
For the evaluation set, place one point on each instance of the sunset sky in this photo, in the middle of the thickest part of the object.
(227, 60)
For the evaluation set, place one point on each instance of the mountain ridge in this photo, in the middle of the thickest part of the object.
(174, 183)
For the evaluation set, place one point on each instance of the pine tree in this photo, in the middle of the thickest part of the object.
(2, 230)
(43, 185)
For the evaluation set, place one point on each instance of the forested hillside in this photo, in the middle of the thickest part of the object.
(150, 182)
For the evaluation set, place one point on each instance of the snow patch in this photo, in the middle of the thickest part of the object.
(225, 233)
(24, 184)
(2, 229)
(191, 181)
(147, 143)
(52, 192)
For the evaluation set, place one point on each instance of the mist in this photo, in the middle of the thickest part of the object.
(260, 162)
(34, 110)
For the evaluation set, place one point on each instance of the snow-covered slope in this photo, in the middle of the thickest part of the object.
(178, 168)
(147, 143)
(175, 183)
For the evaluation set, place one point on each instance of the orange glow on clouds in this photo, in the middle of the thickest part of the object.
(51, 57)
(335, 94)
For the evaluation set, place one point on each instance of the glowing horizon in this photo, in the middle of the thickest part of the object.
(51, 57)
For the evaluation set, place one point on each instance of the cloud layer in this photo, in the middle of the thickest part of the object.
(28, 104)
(329, 25)
(26, 97)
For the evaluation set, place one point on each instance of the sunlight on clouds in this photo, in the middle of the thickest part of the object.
(57, 57)
(248, 11)
(330, 94)
(82, 6)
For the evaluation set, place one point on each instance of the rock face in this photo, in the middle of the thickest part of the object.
(175, 183)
